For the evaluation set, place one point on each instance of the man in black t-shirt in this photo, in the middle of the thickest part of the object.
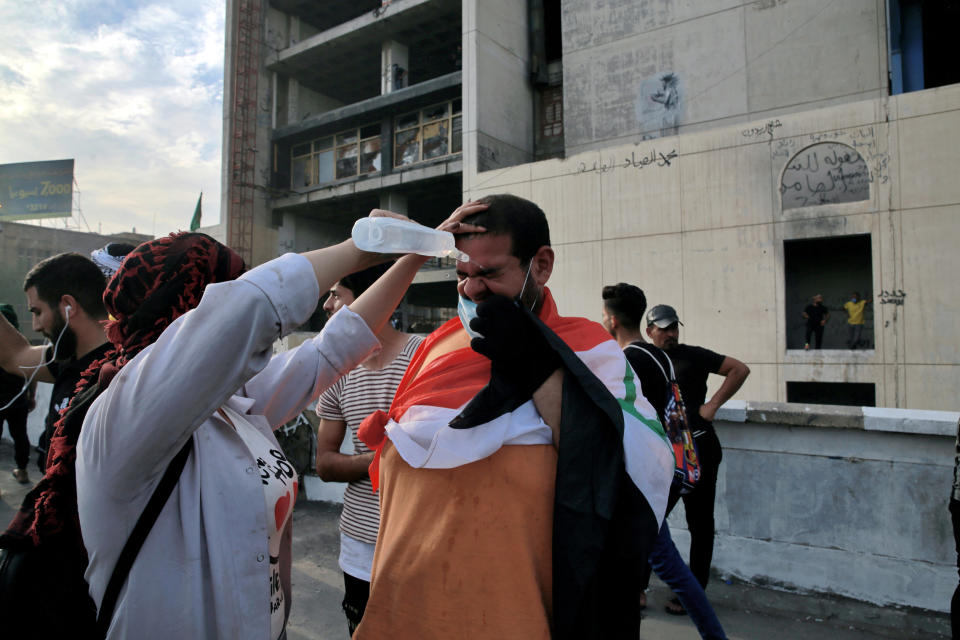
(816, 315)
(623, 308)
(65, 298)
(693, 365)
(16, 401)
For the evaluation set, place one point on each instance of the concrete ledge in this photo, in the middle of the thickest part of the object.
(407, 98)
(936, 423)
(806, 415)
(316, 490)
(913, 421)
(732, 411)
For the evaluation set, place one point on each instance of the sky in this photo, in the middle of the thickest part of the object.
(133, 90)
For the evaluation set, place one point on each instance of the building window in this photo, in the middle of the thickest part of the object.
(834, 268)
(428, 133)
(348, 154)
(921, 36)
(850, 394)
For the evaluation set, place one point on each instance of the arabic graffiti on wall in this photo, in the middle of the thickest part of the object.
(766, 129)
(893, 297)
(862, 139)
(824, 173)
(653, 158)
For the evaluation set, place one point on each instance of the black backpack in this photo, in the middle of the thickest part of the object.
(687, 464)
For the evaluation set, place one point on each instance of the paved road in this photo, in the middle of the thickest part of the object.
(747, 612)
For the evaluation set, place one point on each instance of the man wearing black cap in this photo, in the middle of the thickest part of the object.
(693, 365)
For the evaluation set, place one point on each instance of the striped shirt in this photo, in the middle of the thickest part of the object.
(350, 400)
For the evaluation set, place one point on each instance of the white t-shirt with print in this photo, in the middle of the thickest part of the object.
(280, 483)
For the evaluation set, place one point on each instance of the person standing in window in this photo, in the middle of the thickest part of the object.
(816, 315)
(854, 308)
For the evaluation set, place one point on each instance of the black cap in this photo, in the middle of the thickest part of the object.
(663, 316)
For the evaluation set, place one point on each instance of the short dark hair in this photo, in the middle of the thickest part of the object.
(69, 274)
(361, 280)
(522, 220)
(9, 313)
(626, 302)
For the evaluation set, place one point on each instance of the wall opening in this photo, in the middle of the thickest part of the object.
(921, 36)
(835, 268)
(546, 74)
(851, 394)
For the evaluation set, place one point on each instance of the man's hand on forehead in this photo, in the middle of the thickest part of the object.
(455, 224)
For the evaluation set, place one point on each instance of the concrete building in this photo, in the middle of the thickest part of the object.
(732, 158)
(24, 245)
(357, 106)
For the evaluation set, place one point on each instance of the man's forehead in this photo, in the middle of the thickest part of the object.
(32, 298)
(496, 248)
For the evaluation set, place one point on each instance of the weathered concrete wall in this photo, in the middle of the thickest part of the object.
(696, 221)
(836, 500)
(829, 500)
(497, 97)
(23, 245)
(641, 69)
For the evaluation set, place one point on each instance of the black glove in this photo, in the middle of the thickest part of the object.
(521, 360)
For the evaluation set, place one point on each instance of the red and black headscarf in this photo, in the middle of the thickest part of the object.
(159, 281)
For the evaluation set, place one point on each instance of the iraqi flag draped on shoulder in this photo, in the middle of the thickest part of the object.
(614, 467)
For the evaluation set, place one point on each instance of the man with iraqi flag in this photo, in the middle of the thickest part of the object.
(523, 476)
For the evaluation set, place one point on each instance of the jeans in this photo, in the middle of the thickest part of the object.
(698, 505)
(854, 331)
(669, 566)
(16, 418)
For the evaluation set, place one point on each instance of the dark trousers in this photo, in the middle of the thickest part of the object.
(816, 332)
(43, 594)
(16, 419)
(356, 593)
(955, 601)
(698, 505)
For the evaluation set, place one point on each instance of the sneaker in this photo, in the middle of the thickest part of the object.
(21, 476)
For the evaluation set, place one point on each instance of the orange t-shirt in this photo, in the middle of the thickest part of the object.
(464, 552)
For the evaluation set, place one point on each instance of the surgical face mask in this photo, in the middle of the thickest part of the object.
(467, 310)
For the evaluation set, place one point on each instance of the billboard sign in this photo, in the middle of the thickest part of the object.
(33, 190)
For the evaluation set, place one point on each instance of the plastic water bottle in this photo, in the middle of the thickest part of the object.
(390, 235)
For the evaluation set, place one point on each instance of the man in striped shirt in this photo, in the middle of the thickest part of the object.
(343, 406)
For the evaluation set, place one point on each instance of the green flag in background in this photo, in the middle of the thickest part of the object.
(195, 223)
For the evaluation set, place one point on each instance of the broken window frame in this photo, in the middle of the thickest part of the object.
(409, 129)
(360, 144)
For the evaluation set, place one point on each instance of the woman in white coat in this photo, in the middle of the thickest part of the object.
(216, 563)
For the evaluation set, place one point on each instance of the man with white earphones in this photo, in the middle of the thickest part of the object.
(42, 562)
(65, 299)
